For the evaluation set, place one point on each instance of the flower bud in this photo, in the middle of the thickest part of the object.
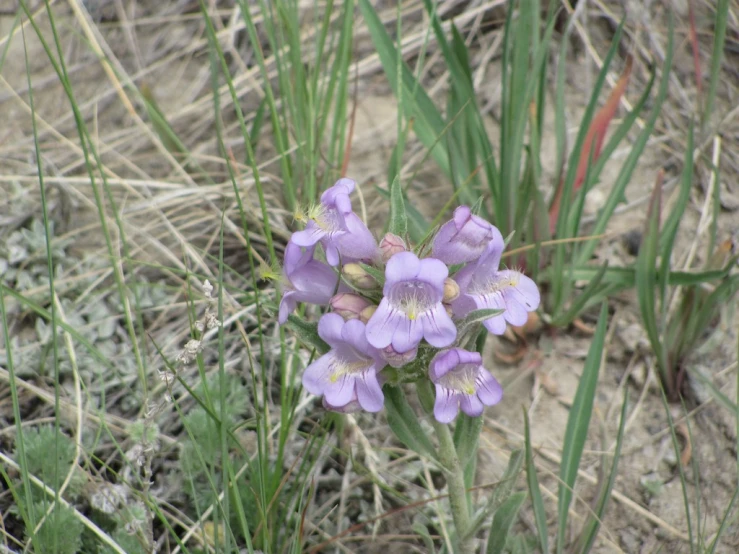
(464, 238)
(348, 305)
(357, 276)
(398, 359)
(391, 245)
(367, 313)
(451, 290)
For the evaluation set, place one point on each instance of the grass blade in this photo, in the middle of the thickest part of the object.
(577, 426)
(646, 281)
(592, 526)
(532, 480)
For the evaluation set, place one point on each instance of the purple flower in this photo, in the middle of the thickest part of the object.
(347, 372)
(411, 308)
(463, 238)
(484, 287)
(462, 382)
(305, 280)
(338, 228)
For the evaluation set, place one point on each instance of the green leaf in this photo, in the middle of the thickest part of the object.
(501, 493)
(467, 437)
(540, 515)
(478, 316)
(398, 216)
(307, 333)
(503, 520)
(577, 426)
(404, 423)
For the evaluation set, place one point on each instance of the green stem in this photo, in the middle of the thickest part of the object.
(454, 472)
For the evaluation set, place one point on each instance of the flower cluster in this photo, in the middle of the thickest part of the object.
(393, 306)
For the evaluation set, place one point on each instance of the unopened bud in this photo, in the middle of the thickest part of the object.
(391, 245)
(357, 276)
(449, 310)
(367, 313)
(451, 290)
(348, 305)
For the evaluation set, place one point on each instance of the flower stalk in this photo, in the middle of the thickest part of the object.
(454, 473)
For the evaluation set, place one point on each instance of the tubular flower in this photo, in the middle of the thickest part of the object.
(462, 382)
(484, 287)
(411, 308)
(337, 227)
(463, 238)
(305, 280)
(348, 372)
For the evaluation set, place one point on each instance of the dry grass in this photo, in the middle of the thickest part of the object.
(171, 205)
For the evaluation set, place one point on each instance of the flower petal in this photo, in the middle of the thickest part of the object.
(357, 243)
(318, 374)
(526, 291)
(408, 334)
(434, 272)
(496, 325)
(403, 266)
(446, 406)
(340, 392)
(353, 333)
(381, 326)
(330, 328)
(488, 389)
(438, 328)
(332, 252)
(463, 305)
(308, 236)
(471, 405)
(287, 306)
(369, 392)
(316, 282)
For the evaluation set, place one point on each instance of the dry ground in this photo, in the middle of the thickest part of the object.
(168, 214)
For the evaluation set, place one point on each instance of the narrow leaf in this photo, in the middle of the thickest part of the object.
(646, 281)
(577, 426)
(592, 526)
(307, 333)
(404, 423)
(532, 480)
(503, 520)
(398, 216)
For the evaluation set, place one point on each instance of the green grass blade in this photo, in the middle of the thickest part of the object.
(616, 196)
(593, 524)
(532, 480)
(428, 123)
(719, 38)
(672, 222)
(577, 426)
(680, 469)
(647, 285)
